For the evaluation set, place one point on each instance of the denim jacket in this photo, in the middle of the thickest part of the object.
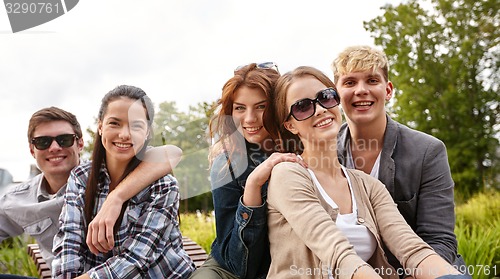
(242, 243)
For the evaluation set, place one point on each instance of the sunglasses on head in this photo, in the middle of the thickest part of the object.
(44, 142)
(263, 65)
(305, 108)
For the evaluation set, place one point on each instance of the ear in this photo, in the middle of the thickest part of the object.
(290, 127)
(99, 128)
(389, 88)
(80, 144)
(32, 150)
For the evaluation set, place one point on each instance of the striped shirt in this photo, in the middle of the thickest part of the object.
(147, 245)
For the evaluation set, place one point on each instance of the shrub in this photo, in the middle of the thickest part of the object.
(480, 209)
(200, 228)
(14, 258)
(478, 234)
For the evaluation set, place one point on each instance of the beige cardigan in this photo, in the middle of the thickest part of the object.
(305, 242)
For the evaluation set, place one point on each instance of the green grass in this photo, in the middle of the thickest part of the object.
(480, 247)
(478, 234)
(14, 258)
(200, 228)
(480, 209)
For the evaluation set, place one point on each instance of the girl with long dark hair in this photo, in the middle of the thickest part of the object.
(148, 242)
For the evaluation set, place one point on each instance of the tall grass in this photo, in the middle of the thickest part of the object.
(14, 258)
(478, 234)
(200, 228)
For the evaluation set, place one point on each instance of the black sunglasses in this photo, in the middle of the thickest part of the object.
(263, 65)
(44, 142)
(305, 108)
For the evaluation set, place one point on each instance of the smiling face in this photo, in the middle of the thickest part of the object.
(124, 130)
(363, 95)
(56, 160)
(324, 125)
(248, 109)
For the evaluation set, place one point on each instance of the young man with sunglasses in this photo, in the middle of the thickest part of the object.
(33, 207)
(412, 165)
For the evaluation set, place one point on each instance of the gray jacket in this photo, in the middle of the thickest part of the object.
(414, 168)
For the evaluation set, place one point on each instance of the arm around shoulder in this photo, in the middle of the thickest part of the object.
(157, 162)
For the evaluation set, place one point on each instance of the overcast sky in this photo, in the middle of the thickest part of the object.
(181, 51)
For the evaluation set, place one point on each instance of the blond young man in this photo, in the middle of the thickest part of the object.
(412, 165)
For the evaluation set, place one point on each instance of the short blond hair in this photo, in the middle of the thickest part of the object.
(358, 59)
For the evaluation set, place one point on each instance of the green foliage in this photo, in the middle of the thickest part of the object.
(480, 209)
(445, 65)
(89, 147)
(188, 131)
(478, 234)
(200, 228)
(14, 258)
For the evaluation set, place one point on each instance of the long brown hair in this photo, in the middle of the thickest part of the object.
(221, 125)
(289, 142)
(99, 152)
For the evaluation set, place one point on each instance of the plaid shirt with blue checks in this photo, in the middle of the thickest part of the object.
(148, 243)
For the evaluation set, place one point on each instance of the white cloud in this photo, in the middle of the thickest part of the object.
(174, 50)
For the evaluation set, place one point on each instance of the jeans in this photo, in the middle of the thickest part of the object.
(211, 270)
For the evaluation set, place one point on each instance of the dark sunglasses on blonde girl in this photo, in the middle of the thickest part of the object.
(305, 108)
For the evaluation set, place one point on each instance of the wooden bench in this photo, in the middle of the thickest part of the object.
(195, 252)
(41, 265)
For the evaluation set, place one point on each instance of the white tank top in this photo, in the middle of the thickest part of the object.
(358, 235)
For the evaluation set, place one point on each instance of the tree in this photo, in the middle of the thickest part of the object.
(445, 61)
(89, 147)
(188, 131)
